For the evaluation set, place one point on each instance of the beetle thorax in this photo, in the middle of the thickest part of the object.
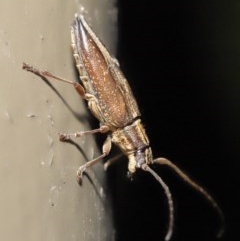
(133, 141)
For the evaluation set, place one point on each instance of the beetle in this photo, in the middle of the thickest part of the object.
(111, 101)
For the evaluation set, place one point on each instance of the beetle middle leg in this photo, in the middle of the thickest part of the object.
(107, 145)
(65, 136)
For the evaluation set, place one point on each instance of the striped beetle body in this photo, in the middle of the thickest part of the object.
(109, 95)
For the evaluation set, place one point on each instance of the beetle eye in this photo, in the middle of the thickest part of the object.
(140, 158)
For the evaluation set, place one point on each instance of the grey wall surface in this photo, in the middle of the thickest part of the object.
(40, 198)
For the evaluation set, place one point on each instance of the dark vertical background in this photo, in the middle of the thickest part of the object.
(182, 59)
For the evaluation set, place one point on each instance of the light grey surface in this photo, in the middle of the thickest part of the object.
(40, 198)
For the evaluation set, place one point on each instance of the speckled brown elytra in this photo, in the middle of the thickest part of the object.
(111, 101)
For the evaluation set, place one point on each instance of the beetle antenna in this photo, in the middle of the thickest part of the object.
(168, 236)
(197, 187)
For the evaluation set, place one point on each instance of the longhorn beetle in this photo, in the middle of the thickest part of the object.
(111, 101)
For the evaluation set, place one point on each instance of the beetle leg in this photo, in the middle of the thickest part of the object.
(112, 160)
(105, 151)
(45, 74)
(67, 136)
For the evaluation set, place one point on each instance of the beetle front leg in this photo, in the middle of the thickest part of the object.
(112, 160)
(105, 151)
